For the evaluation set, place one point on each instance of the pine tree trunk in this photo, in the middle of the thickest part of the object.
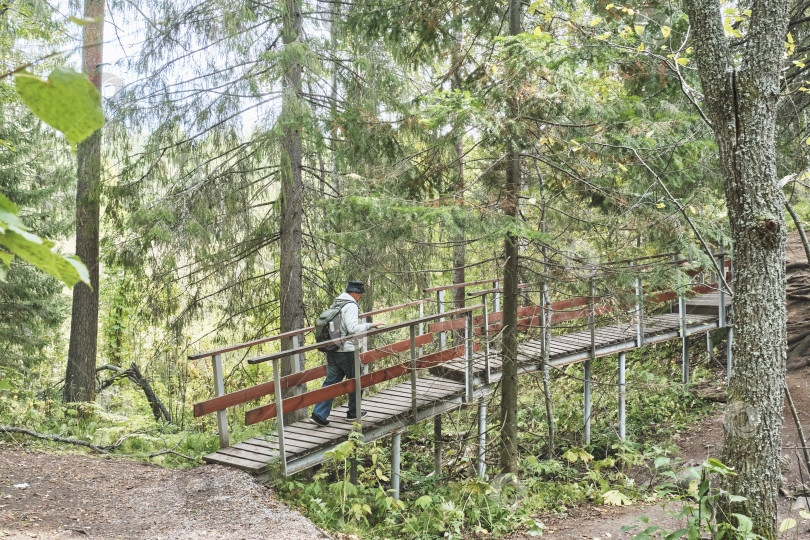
(292, 190)
(509, 383)
(459, 249)
(81, 364)
(741, 103)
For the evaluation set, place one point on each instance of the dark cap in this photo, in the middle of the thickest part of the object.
(355, 286)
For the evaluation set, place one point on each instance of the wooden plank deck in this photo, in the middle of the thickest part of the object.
(441, 390)
(304, 439)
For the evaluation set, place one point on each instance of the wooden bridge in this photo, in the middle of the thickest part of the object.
(455, 375)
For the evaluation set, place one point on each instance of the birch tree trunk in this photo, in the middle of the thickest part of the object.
(741, 96)
(292, 190)
(509, 384)
(82, 349)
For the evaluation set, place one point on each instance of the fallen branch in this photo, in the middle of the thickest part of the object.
(172, 451)
(134, 374)
(163, 452)
(55, 438)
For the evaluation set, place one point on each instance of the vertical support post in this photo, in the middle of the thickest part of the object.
(497, 305)
(543, 319)
(622, 388)
(485, 335)
(468, 356)
(709, 346)
(421, 326)
(592, 316)
(586, 410)
(728, 354)
(442, 335)
(413, 372)
(721, 292)
(219, 389)
(437, 445)
(396, 443)
(639, 312)
(365, 344)
(586, 413)
(358, 389)
(482, 438)
(299, 361)
(685, 368)
(279, 416)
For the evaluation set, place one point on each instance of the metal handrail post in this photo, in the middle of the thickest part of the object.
(588, 363)
(299, 360)
(396, 443)
(592, 317)
(485, 334)
(421, 326)
(358, 388)
(622, 390)
(468, 356)
(219, 389)
(684, 338)
(442, 334)
(279, 416)
(497, 305)
(365, 344)
(639, 312)
(482, 438)
(729, 343)
(437, 445)
(721, 293)
(413, 372)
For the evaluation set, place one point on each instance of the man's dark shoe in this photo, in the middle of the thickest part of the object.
(362, 414)
(320, 421)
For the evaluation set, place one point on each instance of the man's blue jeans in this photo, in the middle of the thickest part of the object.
(338, 365)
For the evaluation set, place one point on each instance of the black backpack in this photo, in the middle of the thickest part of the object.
(327, 326)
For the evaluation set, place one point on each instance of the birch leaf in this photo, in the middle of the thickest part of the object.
(67, 101)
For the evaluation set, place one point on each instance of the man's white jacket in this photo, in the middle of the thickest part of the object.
(350, 323)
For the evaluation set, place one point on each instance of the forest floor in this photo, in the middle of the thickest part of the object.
(706, 440)
(72, 496)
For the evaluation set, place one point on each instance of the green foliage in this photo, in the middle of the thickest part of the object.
(701, 509)
(450, 510)
(66, 101)
(17, 240)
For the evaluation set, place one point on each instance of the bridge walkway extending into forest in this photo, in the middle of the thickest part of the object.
(456, 375)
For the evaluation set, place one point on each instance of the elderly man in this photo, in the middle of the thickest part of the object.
(340, 363)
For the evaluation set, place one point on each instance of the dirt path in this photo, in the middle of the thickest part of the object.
(74, 496)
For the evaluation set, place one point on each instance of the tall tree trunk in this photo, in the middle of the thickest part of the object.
(546, 326)
(459, 249)
(292, 191)
(511, 275)
(81, 364)
(741, 103)
(333, 92)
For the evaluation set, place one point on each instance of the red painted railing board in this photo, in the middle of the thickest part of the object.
(394, 348)
(571, 303)
(265, 389)
(444, 326)
(306, 399)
